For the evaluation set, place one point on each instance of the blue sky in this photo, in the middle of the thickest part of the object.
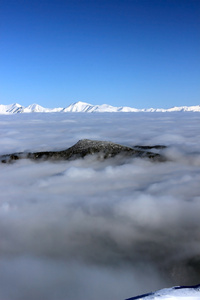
(139, 53)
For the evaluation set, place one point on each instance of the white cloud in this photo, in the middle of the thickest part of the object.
(98, 230)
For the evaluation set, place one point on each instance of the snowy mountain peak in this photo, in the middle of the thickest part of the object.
(34, 108)
(89, 108)
(12, 108)
(78, 107)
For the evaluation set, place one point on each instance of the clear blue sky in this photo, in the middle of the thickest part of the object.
(139, 53)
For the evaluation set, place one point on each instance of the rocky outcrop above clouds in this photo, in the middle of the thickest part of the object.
(102, 150)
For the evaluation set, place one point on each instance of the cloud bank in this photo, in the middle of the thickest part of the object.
(99, 230)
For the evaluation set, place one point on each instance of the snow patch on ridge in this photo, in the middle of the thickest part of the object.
(177, 292)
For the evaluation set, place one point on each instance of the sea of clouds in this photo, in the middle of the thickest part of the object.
(87, 229)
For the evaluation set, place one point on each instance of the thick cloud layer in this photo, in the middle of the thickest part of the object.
(99, 230)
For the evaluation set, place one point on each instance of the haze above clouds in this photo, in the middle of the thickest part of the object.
(98, 230)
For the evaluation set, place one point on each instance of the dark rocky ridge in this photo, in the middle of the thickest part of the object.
(103, 150)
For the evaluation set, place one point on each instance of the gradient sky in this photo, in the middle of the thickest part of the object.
(139, 53)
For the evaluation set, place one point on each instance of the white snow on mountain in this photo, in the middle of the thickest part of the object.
(185, 108)
(12, 108)
(78, 107)
(177, 292)
(34, 108)
(37, 108)
(89, 108)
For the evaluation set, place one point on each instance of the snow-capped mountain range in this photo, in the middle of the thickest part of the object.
(89, 108)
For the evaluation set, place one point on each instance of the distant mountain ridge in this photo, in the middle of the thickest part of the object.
(89, 108)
